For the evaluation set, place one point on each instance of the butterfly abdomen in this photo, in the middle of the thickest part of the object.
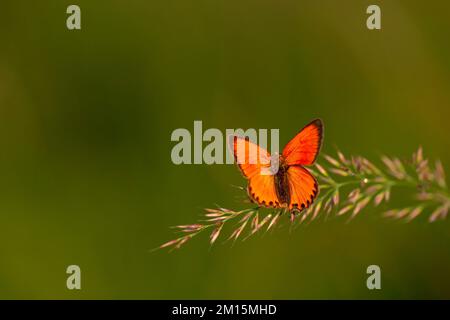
(282, 185)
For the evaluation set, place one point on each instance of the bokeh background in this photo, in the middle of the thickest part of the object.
(86, 117)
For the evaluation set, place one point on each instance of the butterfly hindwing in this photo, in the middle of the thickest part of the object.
(305, 146)
(303, 188)
(261, 189)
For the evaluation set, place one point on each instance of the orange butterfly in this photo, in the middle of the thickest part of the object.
(292, 186)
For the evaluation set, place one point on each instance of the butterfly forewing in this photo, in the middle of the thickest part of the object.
(251, 158)
(305, 146)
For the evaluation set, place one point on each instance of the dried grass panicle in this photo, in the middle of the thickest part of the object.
(348, 185)
(374, 183)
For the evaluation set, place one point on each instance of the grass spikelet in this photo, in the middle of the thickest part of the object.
(345, 209)
(215, 233)
(321, 170)
(274, 221)
(317, 208)
(360, 205)
(340, 172)
(342, 158)
(402, 213)
(439, 174)
(378, 198)
(439, 213)
(354, 195)
(414, 213)
(332, 161)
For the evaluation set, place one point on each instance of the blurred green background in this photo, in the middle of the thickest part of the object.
(86, 117)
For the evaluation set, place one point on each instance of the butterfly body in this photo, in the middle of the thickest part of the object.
(292, 186)
(282, 183)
